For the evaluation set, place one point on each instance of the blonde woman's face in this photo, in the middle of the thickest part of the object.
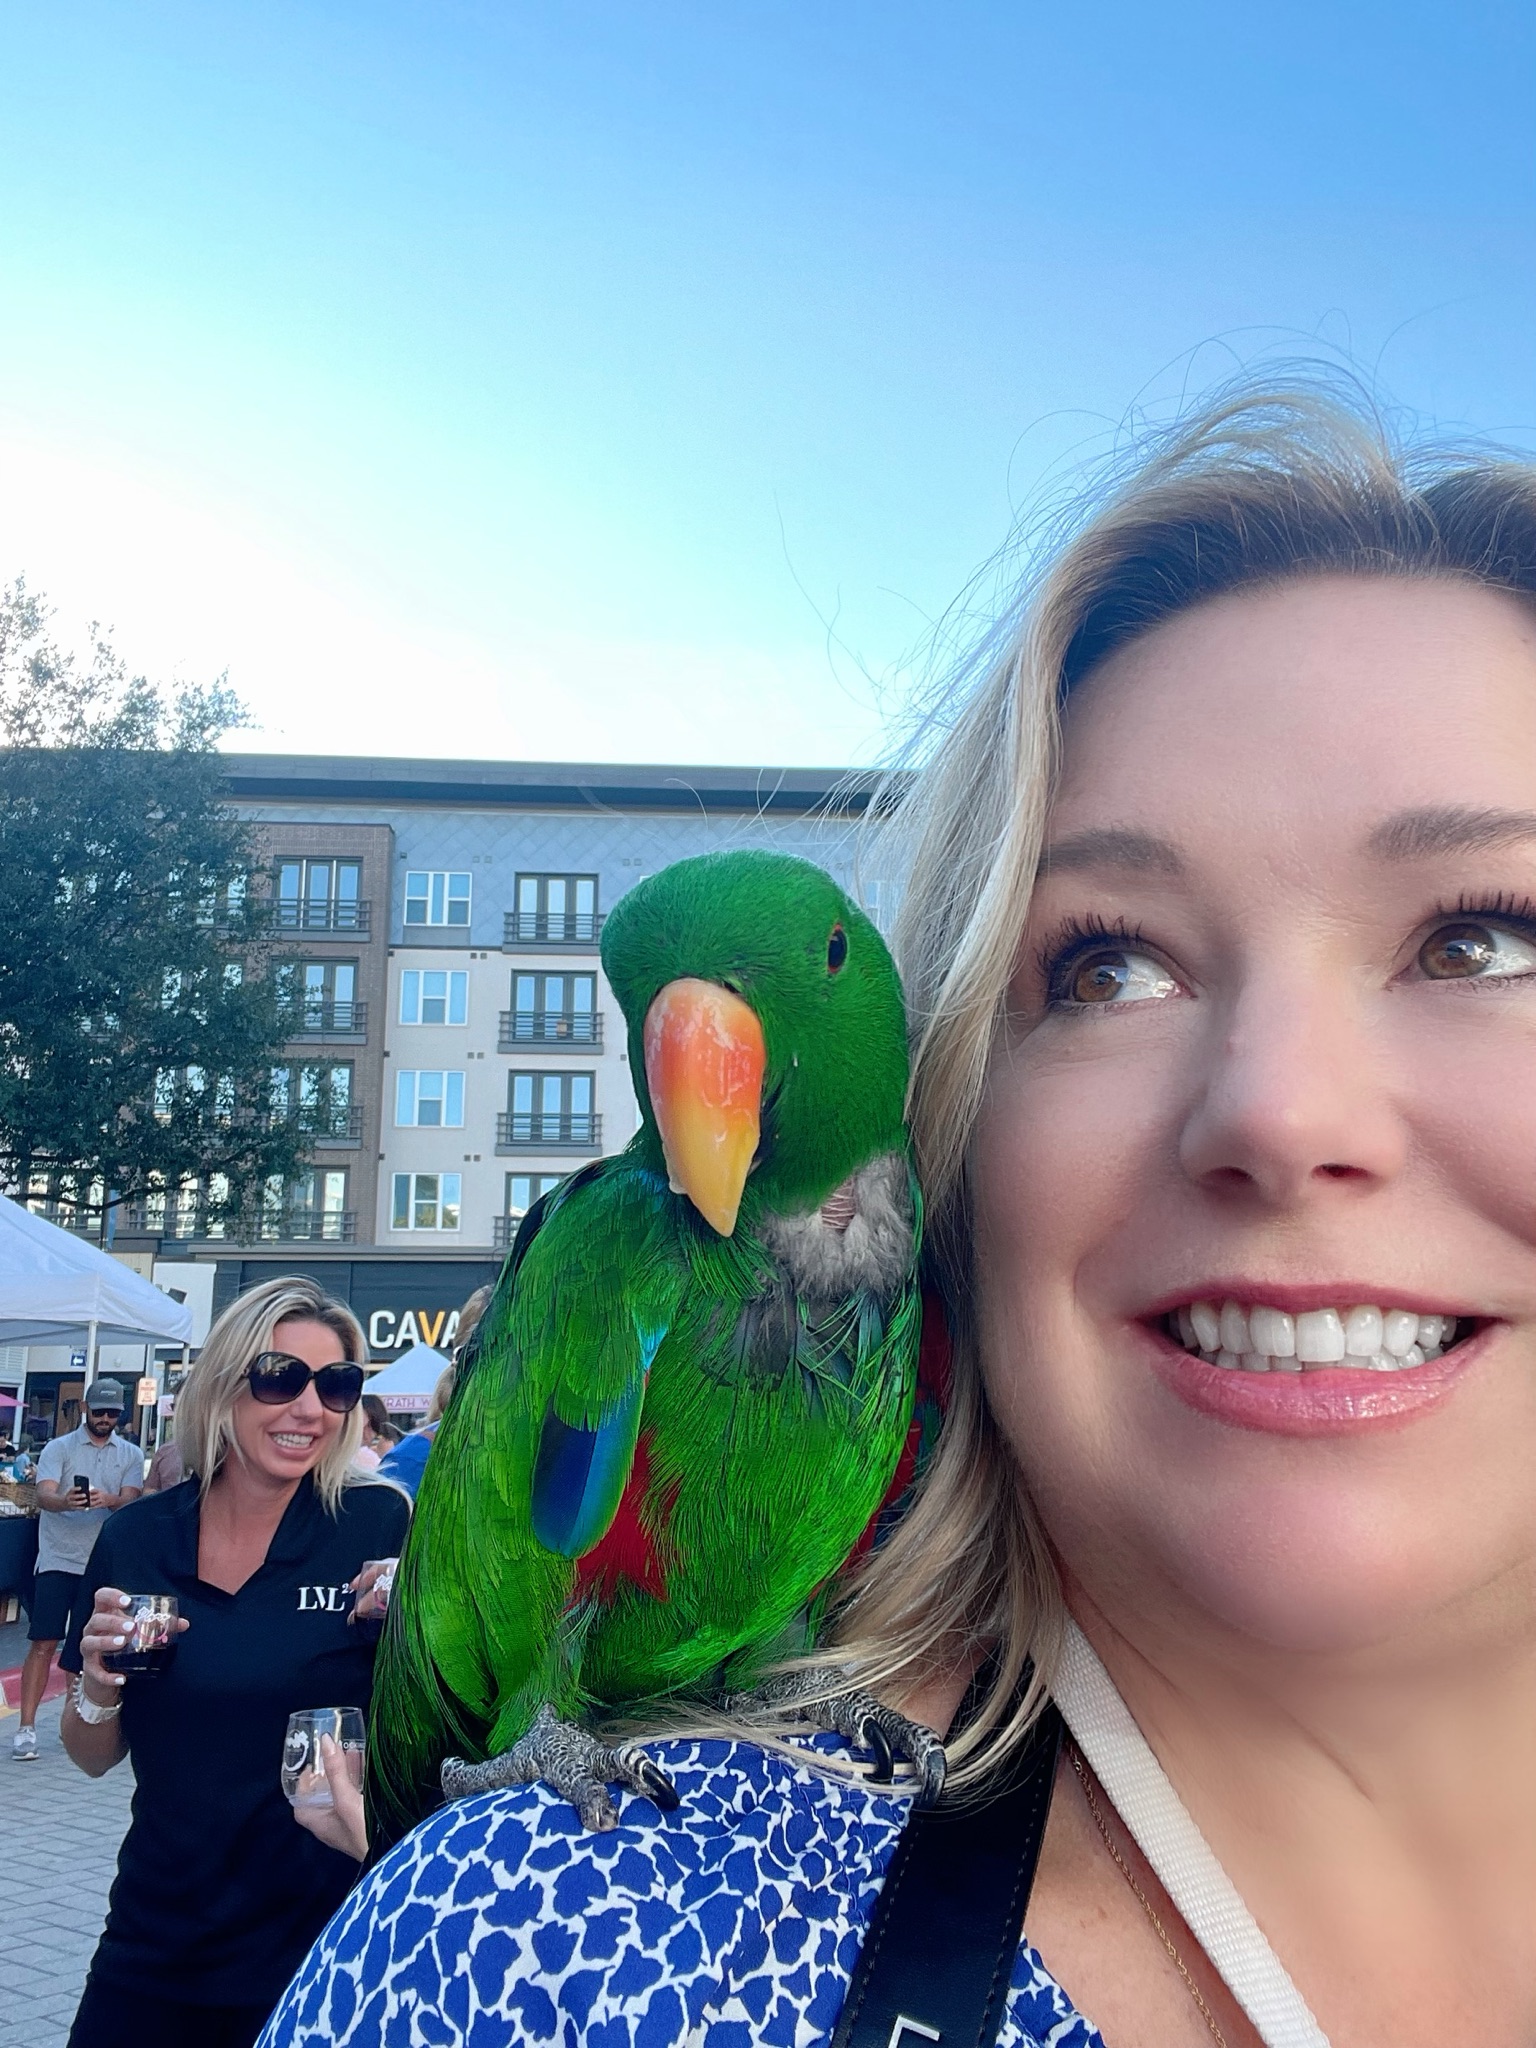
(1255, 1180)
(285, 1443)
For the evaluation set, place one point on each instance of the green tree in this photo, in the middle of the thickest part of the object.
(139, 1018)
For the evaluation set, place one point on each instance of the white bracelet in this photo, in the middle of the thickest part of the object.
(89, 1712)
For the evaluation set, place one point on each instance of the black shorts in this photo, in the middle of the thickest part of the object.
(53, 1595)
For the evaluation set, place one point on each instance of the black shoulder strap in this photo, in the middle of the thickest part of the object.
(938, 1957)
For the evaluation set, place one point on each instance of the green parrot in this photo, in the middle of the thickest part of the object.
(689, 1393)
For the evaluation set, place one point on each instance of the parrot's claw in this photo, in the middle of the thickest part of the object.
(824, 1699)
(571, 1762)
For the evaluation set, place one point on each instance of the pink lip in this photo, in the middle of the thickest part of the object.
(1317, 1403)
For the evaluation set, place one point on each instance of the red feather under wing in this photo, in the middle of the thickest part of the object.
(628, 1553)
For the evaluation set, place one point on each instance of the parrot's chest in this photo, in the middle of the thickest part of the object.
(859, 1241)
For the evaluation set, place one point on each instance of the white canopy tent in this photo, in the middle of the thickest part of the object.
(406, 1384)
(57, 1289)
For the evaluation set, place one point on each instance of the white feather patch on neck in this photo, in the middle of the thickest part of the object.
(859, 1240)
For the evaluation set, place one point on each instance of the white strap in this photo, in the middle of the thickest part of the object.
(1124, 1765)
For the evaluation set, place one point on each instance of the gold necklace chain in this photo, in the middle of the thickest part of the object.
(1085, 1779)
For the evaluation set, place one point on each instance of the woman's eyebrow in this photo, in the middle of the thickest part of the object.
(1112, 846)
(1448, 828)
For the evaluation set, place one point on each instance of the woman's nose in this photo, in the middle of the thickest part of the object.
(1293, 1099)
(306, 1407)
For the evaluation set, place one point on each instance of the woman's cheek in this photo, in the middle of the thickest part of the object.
(1473, 1101)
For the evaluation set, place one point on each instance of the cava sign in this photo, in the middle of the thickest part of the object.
(388, 1331)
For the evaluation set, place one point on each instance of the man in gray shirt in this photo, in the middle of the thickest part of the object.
(112, 1472)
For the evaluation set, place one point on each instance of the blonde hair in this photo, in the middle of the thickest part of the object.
(442, 1394)
(1262, 486)
(205, 1406)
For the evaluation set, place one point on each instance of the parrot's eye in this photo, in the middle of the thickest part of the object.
(837, 949)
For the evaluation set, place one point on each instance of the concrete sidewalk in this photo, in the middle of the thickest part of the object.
(61, 1833)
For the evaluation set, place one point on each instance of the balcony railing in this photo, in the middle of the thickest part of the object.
(310, 1226)
(553, 1029)
(326, 1019)
(527, 930)
(339, 1123)
(525, 1131)
(323, 916)
(504, 1232)
(188, 1222)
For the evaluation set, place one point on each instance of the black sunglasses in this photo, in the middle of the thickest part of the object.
(276, 1379)
(101, 1413)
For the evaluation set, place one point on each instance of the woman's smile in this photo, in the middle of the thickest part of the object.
(1337, 1364)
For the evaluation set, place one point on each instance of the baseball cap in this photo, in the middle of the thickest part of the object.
(104, 1394)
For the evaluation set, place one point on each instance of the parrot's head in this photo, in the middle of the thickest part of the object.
(767, 1038)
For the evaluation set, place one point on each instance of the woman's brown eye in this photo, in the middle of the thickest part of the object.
(1099, 980)
(1113, 975)
(1466, 951)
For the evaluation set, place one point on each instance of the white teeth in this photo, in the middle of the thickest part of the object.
(1207, 1325)
(1362, 1333)
(1320, 1337)
(1274, 1332)
(1361, 1338)
(1400, 1329)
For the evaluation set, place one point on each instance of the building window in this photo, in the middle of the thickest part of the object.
(429, 1098)
(551, 1109)
(321, 995)
(554, 1009)
(434, 896)
(318, 1097)
(555, 908)
(433, 995)
(311, 1208)
(524, 1189)
(320, 896)
(425, 1201)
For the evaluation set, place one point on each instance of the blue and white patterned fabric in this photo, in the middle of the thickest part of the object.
(733, 1923)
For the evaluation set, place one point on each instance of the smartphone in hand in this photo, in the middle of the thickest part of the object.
(83, 1488)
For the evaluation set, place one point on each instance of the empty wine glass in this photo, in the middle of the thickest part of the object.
(304, 1779)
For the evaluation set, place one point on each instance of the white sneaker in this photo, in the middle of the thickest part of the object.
(24, 1746)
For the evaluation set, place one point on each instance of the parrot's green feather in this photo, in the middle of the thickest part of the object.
(666, 1441)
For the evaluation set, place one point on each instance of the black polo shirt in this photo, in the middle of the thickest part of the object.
(219, 1892)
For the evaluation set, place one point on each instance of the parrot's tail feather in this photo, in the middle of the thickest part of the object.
(416, 1719)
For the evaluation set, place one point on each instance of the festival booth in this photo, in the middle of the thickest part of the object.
(406, 1386)
(57, 1289)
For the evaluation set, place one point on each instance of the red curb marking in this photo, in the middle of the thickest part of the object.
(10, 1683)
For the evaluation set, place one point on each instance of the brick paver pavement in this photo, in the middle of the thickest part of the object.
(61, 1833)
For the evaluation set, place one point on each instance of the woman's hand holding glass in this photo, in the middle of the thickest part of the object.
(323, 1776)
(104, 1634)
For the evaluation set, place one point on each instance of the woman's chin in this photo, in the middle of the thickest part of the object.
(1315, 1576)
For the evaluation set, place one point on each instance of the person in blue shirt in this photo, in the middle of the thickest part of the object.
(405, 1461)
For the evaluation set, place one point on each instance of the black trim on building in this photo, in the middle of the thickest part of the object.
(547, 785)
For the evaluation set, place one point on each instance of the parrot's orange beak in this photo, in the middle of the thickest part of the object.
(704, 1061)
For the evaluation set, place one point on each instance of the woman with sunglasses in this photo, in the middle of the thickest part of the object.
(217, 1894)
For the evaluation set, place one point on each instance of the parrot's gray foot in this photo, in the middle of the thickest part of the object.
(571, 1762)
(826, 1700)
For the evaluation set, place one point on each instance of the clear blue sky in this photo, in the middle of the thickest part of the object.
(546, 379)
